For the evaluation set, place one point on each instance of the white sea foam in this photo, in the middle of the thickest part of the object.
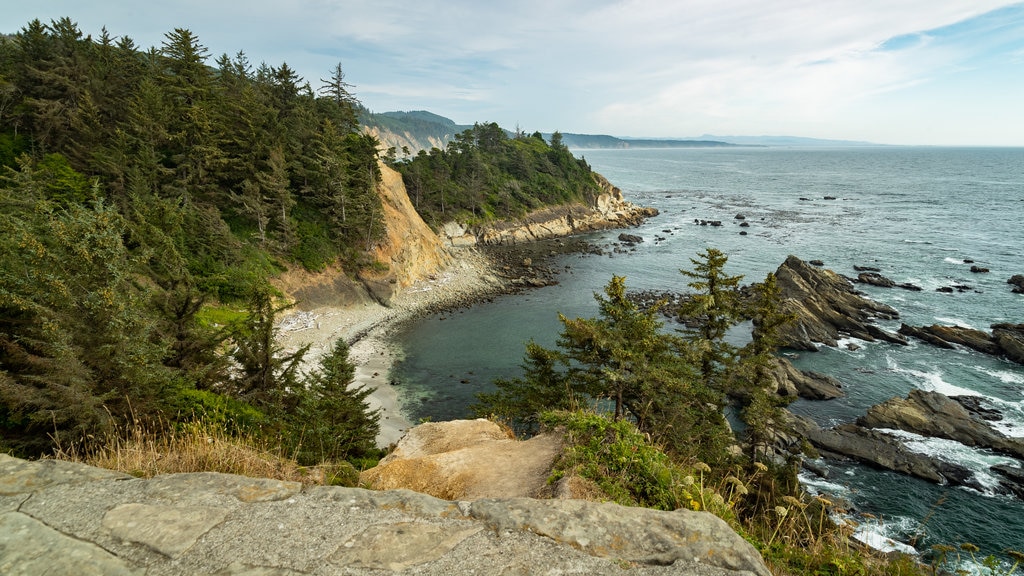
(874, 535)
(932, 381)
(954, 322)
(820, 486)
(949, 260)
(1004, 376)
(977, 460)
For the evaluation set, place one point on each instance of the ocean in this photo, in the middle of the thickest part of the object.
(915, 213)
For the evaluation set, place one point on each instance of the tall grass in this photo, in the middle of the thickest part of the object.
(146, 451)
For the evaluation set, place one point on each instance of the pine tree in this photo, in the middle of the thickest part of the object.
(266, 372)
(714, 307)
(333, 419)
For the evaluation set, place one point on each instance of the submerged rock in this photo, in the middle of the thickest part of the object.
(875, 279)
(1017, 281)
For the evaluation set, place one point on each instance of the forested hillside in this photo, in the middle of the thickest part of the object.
(484, 174)
(140, 185)
(147, 195)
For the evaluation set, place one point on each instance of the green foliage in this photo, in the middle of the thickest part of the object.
(333, 420)
(622, 359)
(79, 345)
(520, 401)
(619, 459)
(140, 187)
(483, 174)
(715, 307)
(313, 418)
(222, 412)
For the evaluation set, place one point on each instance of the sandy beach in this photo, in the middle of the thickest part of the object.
(367, 329)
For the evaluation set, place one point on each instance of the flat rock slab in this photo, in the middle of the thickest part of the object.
(65, 518)
(29, 547)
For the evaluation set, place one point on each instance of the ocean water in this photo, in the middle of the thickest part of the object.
(915, 213)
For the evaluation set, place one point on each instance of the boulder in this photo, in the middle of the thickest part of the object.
(979, 270)
(1017, 281)
(630, 238)
(1010, 338)
(827, 307)
(465, 460)
(936, 415)
(633, 534)
(1011, 479)
(875, 279)
(791, 381)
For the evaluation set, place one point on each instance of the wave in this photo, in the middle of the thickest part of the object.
(905, 241)
(932, 381)
(1004, 376)
(977, 460)
(882, 534)
(819, 486)
(954, 322)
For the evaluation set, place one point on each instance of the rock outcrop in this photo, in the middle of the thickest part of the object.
(827, 307)
(790, 381)
(1005, 340)
(66, 518)
(610, 210)
(936, 415)
(884, 451)
(467, 460)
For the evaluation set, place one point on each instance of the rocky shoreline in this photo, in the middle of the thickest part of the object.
(476, 274)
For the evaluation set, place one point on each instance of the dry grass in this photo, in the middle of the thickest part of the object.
(195, 447)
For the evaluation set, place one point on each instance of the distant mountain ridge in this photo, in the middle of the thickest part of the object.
(592, 141)
(800, 141)
(415, 130)
(422, 130)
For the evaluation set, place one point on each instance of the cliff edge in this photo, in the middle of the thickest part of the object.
(67, 518)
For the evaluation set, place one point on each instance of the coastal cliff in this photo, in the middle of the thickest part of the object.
(610, 210)
(410, 252)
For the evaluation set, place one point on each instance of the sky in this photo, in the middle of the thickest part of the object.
(915, 72)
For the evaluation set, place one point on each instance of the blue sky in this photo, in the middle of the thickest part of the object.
(931, 72)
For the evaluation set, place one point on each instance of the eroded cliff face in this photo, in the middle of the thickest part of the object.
(408, 252)
(410, 249)
(397, 140)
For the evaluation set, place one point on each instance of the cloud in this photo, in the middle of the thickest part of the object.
(645, 67)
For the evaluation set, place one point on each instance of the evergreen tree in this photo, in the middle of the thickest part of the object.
(333, 420)
(266, 372)
(714, 308)
(761, 406)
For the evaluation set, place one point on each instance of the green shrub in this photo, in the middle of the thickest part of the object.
(233, 416)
